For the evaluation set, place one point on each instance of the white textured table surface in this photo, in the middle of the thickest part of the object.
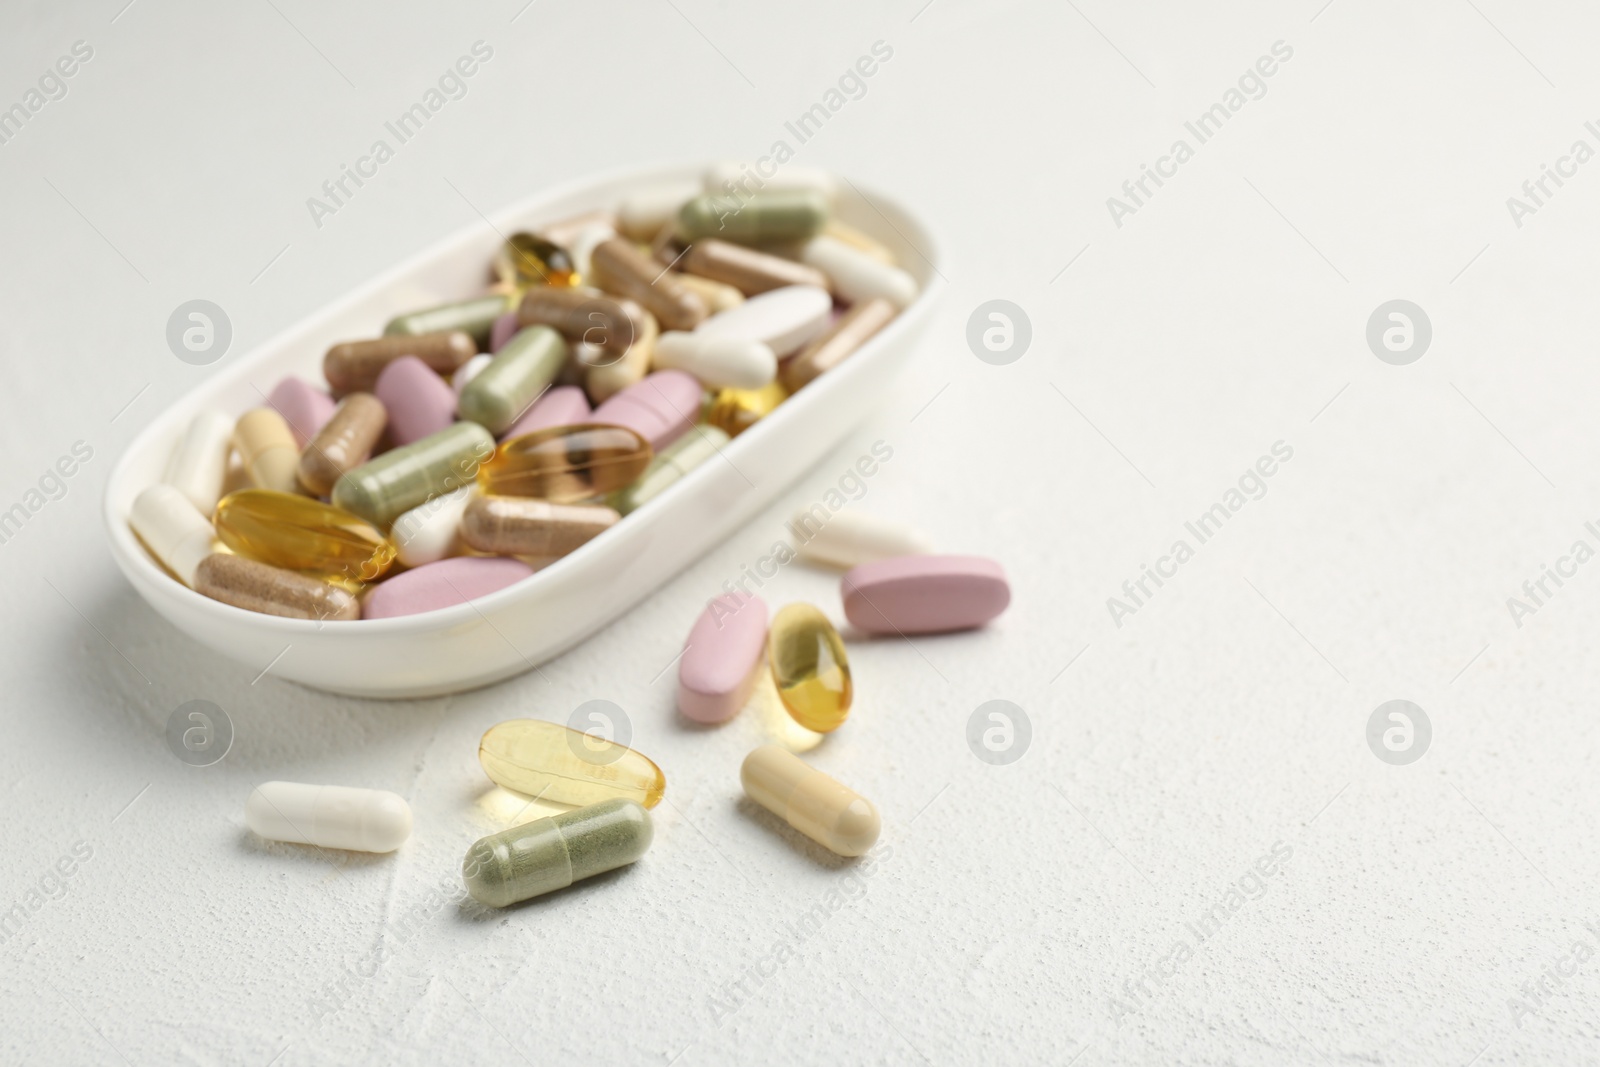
(1097, 901)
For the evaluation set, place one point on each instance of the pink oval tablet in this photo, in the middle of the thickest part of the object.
(503, 330)
(661, 408)
(303, 406)
(442, 585)
(924, 594)
(718, 669)
(564, 405)
(419, 402)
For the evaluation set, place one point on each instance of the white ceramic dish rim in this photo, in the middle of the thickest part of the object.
(134, 554)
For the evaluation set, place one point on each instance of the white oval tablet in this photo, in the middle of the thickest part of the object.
(783, 319)
(719, 362)
(857, 276)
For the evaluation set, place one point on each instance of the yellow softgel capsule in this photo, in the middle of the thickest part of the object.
(565, 464)
(810, 668)
(301, 534)
(528, 259)
(566, 766)
(733, 411)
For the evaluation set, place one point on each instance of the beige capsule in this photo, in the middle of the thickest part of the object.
(525, 526)
(267, 450)
(609, 373)
(261, 587)
(746, 269)
(854, 328)
(622, 269)
(354, 366)
(583, 315)
(859, 241)
(344, 443)
(718, 296)
(834, 816)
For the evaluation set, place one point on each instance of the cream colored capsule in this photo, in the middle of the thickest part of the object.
(856, 276)
(267, 449)
(176, 534)
(329, 816)
(718, 296)
(643, 213)
(608, 373)
(835, 817)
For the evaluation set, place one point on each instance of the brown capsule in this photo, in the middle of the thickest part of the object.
(618, 267)
(842, 338)
(666, 247)
(746, 269)
(345, 442)
(582, 315)
(354, 366)
(524, 526)
(244, 583)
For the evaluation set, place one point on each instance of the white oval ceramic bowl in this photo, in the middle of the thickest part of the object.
(516, 628)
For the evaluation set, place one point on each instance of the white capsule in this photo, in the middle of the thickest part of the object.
(581, 247)
(200, 462)
(645, 211)
(171, 528)
(848, 539)
(857, 276)
(431, 531)
(719, 362)
(744, 179)
(329, 816)
(783, 319)
(468, 371)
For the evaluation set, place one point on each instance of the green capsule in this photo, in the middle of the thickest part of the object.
(765, 218)
(516, 376)
(475, 316)
(670, 464)
(544, 855)
(402, 478)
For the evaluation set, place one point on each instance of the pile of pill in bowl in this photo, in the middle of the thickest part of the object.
(474, 442)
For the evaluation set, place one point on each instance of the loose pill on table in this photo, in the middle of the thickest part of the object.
(848, 539)
(400, 479)
(852, 330)
(521, 371)
(857, 276)
(834, 816)
(661, 408)
(733, 411)
(524, 526)
(253, 586)
(301, 534)
(199, 464)
(418, 401)
(344, 443)
(733, 178)
(644, 211)
(267, 450)
(445, 584)
(810, 668)
(329, 816)
(765, 218)
(355, 365)
(176, 534)
(924, 594)
(430, 531)
(671, 464)
(567, 766)
(303, 406)
(474, 317)
(566, 463)
(530, 259)
(563, 405)
(618, 267)
(722, 657)
(719, 362)
(749, 271)
(783, 319)
(544, 855)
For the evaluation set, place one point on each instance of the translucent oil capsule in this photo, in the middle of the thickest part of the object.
(474, 317)
(834, 816)
(519, 373)
(301, 534)
(733, 411)
(676, 460)
(567, 766)
(810, 668)
(528, 259)
(544, 855)
(564, 464)
(270, 590)
(523, 526)
(400, 479)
